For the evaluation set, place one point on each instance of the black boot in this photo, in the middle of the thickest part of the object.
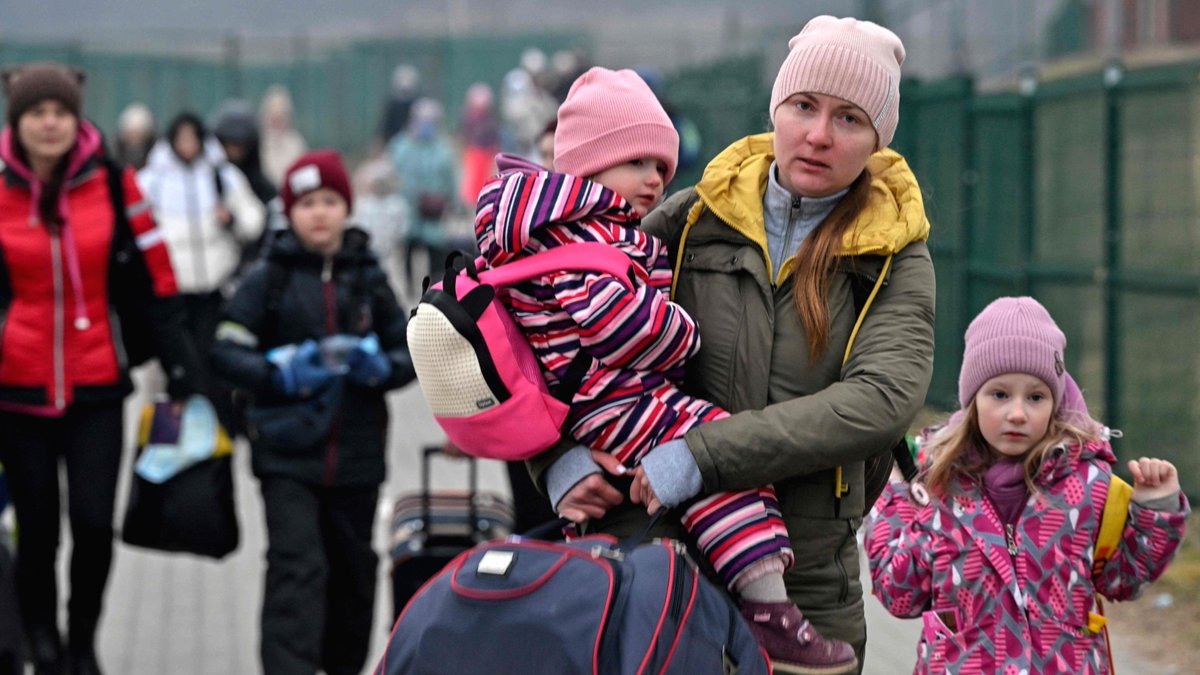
(81, 649)
(82, 660)
(45, 650)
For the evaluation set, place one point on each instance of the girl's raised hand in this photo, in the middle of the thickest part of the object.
(1153, 478)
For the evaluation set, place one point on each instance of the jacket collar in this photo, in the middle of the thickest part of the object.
(286, 247)
(735, 181)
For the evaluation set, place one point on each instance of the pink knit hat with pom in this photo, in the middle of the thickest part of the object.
(610, 117)
(854, 60)
(1012, 335)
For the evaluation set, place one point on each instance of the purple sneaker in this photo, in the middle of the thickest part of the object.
(793, 645)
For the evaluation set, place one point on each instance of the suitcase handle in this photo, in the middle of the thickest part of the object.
(472, 483)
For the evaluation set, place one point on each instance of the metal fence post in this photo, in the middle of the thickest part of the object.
(1113, 74)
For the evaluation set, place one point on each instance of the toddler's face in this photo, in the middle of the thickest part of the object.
(1014, 412)
(318, 219)
(640, 181)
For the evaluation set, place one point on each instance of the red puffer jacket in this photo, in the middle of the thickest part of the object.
(58, 332)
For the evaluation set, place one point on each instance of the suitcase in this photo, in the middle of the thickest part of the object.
(431, 527)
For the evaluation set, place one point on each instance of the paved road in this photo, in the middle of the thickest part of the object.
(187, 616)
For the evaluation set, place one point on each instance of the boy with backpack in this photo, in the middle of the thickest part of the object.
(314, 332)
(614, 348)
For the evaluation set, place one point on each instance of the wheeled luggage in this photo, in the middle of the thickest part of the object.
(587, 606)
(432, 526)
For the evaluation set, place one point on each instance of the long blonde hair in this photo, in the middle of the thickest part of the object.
(814, 262)
(950, 455)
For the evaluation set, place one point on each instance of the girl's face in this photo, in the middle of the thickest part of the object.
(47, 131)
(186, 143)
(318, 219)
(1014, 413)
(822, 143)
(640, 181)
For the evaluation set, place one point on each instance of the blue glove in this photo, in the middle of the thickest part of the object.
(367, 365)
(299, 370)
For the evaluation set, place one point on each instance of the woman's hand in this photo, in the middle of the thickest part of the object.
(592, 497)
(1153, 479)
(642, 493)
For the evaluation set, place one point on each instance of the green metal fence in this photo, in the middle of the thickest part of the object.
(339, 93)
(1085, 193)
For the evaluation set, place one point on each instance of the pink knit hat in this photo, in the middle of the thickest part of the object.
(858, 61)
(1012, 335)
(610, 117)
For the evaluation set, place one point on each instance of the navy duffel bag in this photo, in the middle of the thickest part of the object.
(586, 606)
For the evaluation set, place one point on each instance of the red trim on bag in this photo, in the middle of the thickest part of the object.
(380, 669)
(687, 613)
(662, 618)
(507, 594)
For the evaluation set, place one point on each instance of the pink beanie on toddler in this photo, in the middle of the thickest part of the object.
(857, 61)
(1013, 335)
(610, 117)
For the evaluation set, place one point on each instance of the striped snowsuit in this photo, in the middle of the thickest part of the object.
(638, 339)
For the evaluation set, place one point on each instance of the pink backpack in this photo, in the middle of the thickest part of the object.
(476, 369)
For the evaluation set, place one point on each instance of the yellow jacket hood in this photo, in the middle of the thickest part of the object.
(735, 180)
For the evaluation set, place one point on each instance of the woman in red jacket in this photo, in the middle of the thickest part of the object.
(63, 367)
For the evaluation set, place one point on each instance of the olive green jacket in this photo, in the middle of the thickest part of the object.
(794, 420)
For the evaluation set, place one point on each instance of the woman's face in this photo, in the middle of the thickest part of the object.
(47, 131)
(318, 219)
(821, 143)
(186, 142)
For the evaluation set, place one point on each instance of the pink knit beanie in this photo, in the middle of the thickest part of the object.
(610, 117)
(858, 61)
(1012, 335)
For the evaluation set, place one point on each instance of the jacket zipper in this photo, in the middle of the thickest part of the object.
(791, 230)
(195, 231)
(1011, 537)
(60, 401)
(330, 295)
(843, 575)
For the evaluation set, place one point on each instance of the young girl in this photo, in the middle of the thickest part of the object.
(615, 150)
(317, 321)
(996, 554)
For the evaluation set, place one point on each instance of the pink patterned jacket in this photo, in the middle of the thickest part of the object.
(985, 610)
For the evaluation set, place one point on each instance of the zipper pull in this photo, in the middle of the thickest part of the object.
(795, 202)
(1012, 540)
(327, 270)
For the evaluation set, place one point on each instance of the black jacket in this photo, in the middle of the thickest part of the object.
(354, 452)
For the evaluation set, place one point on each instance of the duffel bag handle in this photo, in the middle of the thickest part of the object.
(550, 531)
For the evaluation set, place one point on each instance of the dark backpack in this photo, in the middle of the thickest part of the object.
(130, 287)
(586, 606)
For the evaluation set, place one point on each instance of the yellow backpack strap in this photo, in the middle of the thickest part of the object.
(1112, 521)
(840, 487)
(1108, 538)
